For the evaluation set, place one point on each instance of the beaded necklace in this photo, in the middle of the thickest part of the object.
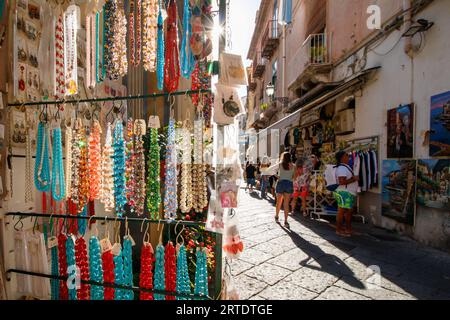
(108, 274)
(159, 282)
(57, 167)
(107, 197)
(120, 41)
(130, 163)
(71, 264)
(71, 17)
(187, 57)
(68, 163)
(76, 154)
(109, 11)
(170, 269)
(60, 88)
(172, 69)
(62, 265)
(153, 178)
(160, 59)
(82, 263)
(119, 275)
(55, 269)
(128, 268)
(42, 165)
(119, 169)
(95, 268)
(82, 224)
(95, 161)
(83, 170)
(183, 281)
(186, 172)
(199, 187)
(28, 166)
(149, 34)
(146, 276)
(201, 273)
(135, 32)
(100, 71)
(91, 42)
(170, 198)
(139, 167)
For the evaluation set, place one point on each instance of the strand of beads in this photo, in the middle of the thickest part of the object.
(109, 21)
(160, 61)
(108, 274)
(76, 154)
(28, 167)
(170, 269)
(57, 167)
(128, 268)
(95, 268)
(187, 57)
(42, 165)
(153, 178)
(186, 172)
(107, 197)
(139, 168)
(131, 34)
(100, 71)
(146, 276)
(71, 18)
(119, 169)
(170, 198)
(95, 154)
(172, 69)
(82, 224)
(60, 88)
(149, 34)
(83, 170)
(68, 163)
(55, 273)
(183, 282)
(119, 276)
(199, 188)
(62, 264)
(135, 32)
(201, 273)
(130, 166)
(159, 282)
(71, 266)
(120, 42)
(83, 266)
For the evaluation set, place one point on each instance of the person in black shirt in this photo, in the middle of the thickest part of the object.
(250, 173)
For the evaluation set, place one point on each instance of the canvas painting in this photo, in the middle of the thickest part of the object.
(399, 190)
(433, 184)
(440, 125)
(401, 132)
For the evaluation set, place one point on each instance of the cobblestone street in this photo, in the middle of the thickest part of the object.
(312, 262)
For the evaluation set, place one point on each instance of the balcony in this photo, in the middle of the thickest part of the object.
(270, 39)
(251, 81)
(259, 66)
(311, 64)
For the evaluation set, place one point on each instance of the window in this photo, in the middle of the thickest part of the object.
(274, 73)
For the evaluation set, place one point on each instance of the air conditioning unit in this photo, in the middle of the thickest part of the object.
(344, 122)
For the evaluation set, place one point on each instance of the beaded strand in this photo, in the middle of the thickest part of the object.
(172, 69)
(160, 59)
(159, 282)
(119, 276)
(128, 268)
(170, 269)
(146, 275)
(130, 166)
(71, 263)
(153, 177)
(62, 265)
(95, 161)
(108, 274)
(119, 169)
(107, 197)
(68, 163)
(55, 272)
(95, 268)
(149, 34)
(82, 263)
(183, 282)
(186, 172)
(187, 57)
(201, 273)
(42, 165)
(170, 198)
(139, 167)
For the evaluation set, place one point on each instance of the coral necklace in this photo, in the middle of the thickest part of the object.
(172, 68)
(135, 32)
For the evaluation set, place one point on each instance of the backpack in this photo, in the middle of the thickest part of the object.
(331, 178)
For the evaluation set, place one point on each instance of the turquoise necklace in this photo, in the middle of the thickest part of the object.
(201, 274)
(58, 180)
(71, 264)
(119, 169)
(128, 268)
(95, 268)
(42, 165)
(100, 71)
(160, 51)
(187, 57)
(159, 278)
(183, 282)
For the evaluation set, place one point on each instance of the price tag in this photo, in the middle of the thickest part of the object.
(154, 123)
(106, 245)
(52, 242)
(129, 237)
(116, 249)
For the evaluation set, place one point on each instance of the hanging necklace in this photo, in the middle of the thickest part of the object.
(186, 171)
(170, 269)
(107, 197)
(139, 167)
(83, 186)
(183, 281)
(199, 171)
(187, 57)
(68, 163)
(129, 172)
(149, 34)
(201, 273)
(160, 59)
(128, 268)
(153, 178)
(95, 161)
(42, 165)
(60, 88)
(82, 264)
(170, 198)
(28, 166)
(119, 169)
(100, 71)
(146, 276)
(135, 32)
(71, 265)
(62, 263)
(172, 69)
(95, 268)
(91, 42)
(119, 276)
(159, 282)
(115, 48)
(57, 167)
(71, 17)
(76, 156)
(108, 274)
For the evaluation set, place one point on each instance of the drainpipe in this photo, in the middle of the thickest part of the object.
(407, 21)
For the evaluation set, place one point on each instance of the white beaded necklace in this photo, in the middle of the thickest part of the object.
(71, 17)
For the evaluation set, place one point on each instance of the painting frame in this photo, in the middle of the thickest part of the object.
(401, 132)
(433, 183)
(440, 125)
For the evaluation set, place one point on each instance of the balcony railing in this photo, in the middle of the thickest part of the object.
(259, 65)
(271, 38)
(316, 49)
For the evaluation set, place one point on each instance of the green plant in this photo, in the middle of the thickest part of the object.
(264, 107)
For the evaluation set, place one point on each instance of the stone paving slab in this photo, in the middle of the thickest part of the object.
(268, 273)
(240, 266)
(336, 293)
(255, 256)
(291, 260)
(313, 280)
(285, 290)
(248, 287)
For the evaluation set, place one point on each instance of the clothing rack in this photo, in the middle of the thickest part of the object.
(123, 98)
(110, 285)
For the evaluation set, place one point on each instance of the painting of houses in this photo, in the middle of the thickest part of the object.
(440, 125)
(433, 184)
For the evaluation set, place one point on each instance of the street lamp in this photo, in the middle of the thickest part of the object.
(270, 91)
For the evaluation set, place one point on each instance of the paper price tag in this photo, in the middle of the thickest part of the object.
(116, 249)
(52, 242)
(106, 245)
(154, 123)
(129, 237)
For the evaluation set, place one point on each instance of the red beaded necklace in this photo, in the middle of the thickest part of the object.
(82, 263)
(62, 263)
(172, 65)
(146, 277)
(108, 274)
(170, 270)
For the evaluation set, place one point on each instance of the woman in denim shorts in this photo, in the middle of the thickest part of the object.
(285, 187)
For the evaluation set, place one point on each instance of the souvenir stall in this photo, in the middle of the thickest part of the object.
(101, 206)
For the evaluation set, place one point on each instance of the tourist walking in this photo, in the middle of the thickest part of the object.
(285, 187)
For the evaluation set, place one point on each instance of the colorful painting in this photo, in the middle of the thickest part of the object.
(440, 125)
(399, 190)
(433, 184)
(401, 132)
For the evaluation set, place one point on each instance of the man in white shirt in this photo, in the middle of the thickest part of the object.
(345, 194)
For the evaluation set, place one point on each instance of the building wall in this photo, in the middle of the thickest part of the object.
(402, 80)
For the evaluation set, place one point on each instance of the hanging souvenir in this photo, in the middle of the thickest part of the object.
(227, 105)
(187, 59)
(160, 56)
(186, 170)
(159, 277)
(119, 275)
(58, 180)
(59, 73)
(170, 270)
(83, 170)
(119, 169)
(201, 273)
(146, 276)
(170, 198)
(183, 281)
(128, 268)
(199, 186)
(91, 43)
(76, 156)
(46, 54)
(135, 31)
(71, 266)
(100, 70)
(107, 196)
(68, 164)
(201, 44)
(28, 166)
(149, 34)
(153, 178)
(108, 274)
(130, 162)
(83, 293)
(62, 263)
(139, 166)
(215, 221)
(42, 165)
(233, 246)
(172, 66)
(95, 161)
(71, 26)
(95, 268)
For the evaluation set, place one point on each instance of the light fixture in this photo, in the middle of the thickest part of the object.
(421, 25)
(270, 90)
